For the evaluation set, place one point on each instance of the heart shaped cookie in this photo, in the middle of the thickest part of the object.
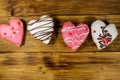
(13, 32)
(42, 29)
(73, 35)
(103, 34)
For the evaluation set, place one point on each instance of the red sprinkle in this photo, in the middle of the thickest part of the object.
(19, 23)
(70, 47)
(5, 33)
(94, 31)
(14, 32)
(86, 29)
(12, 28)
(106, 39)
(70, 33)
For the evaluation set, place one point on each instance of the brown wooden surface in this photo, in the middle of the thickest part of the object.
(37, 61)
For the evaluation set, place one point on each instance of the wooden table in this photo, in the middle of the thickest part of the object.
(37, 61)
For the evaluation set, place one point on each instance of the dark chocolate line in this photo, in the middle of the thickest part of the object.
(44, 34)
(30, 24)
(41, 31)
(104, 35)
(46, 38)
(103, 30)
(42, 38)
(41, 26)
(44, 18)
(48, 28)
(38, 21)
(102, 44)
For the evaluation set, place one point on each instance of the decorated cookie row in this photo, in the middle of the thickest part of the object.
(73, 36)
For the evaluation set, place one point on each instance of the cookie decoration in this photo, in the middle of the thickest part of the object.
(103, 34)
(13, 32)
(42, 29)
(73, 35)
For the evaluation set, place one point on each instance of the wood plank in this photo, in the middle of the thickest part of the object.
(57, 44)
(55, 7)
(62, 66)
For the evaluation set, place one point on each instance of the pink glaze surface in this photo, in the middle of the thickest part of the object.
(73, 35)
(13, 32)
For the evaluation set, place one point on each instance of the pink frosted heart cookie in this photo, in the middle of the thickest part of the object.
(13, 32)
(73, 35)
(103, 34)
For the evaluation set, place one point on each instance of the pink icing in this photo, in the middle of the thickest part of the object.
(13, 32)
(73, 35)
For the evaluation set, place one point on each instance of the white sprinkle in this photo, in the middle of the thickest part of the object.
(13, 35)
(17, 31)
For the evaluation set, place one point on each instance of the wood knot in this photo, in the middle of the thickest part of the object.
(48, 62)
(9, 61)
(16, 10)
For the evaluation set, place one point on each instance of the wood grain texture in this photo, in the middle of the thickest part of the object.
(37, 61)
(62, 7)
(62, 66)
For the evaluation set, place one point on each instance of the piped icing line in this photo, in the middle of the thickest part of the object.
(73, 38)
(72, 29)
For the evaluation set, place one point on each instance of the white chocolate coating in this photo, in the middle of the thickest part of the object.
(103, 34)
(42, 29)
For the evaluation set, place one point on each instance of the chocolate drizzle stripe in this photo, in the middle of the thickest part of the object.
(43, 37)
(102, 44)
(41, 31)
(44, 29)
(41, 26)
(30, 24)
(46, 38)
(45, 18)
(43, 34)
(104, 38)
(40, 20)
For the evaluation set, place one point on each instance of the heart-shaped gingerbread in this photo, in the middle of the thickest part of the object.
(42, 29)
(73, 35)
(103, 34)
(13, 32)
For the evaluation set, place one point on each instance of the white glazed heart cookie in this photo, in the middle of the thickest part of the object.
(42, 29)
(103, 34)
